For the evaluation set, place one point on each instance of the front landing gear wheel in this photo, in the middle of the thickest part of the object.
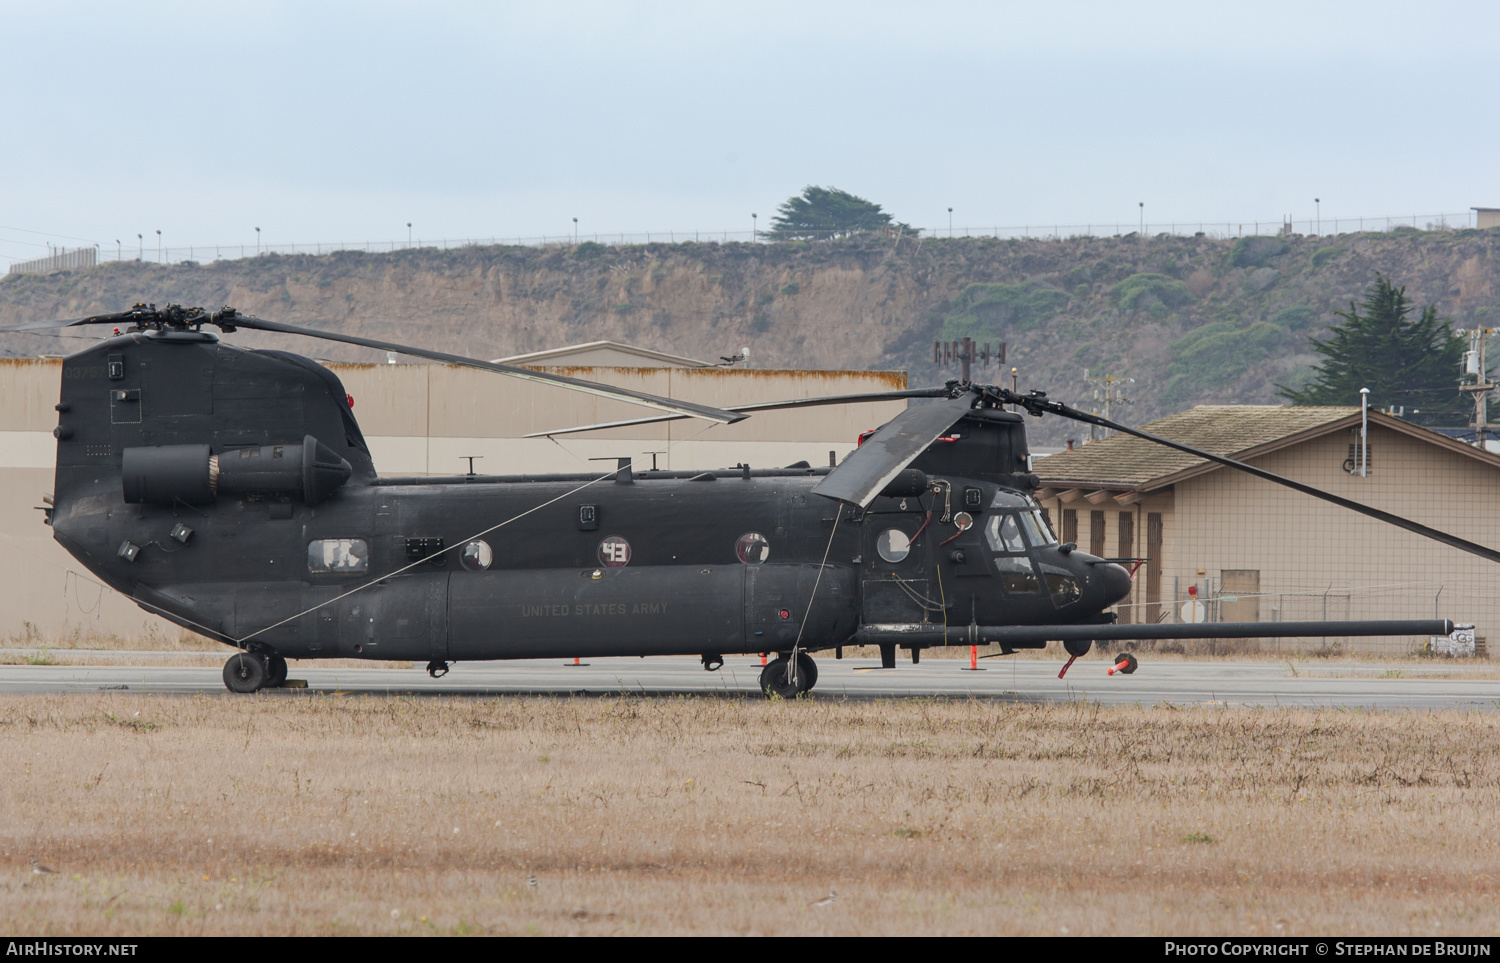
(773, 680)
(245, 672)
(275, 671)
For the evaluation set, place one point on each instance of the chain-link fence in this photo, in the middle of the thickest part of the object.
(144, 250)
(1206, 600)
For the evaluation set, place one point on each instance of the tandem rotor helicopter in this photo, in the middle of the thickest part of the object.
(231, 491)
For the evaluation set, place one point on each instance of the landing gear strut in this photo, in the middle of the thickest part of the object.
(774, 681)
(437, 668)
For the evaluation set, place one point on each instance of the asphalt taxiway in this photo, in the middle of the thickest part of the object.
(1440, 685)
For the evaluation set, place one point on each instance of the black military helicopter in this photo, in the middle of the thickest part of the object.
(231, 492)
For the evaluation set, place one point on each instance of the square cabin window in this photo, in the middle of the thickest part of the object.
(338, 556)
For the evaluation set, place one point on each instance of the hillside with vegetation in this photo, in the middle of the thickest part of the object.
(1192, 319)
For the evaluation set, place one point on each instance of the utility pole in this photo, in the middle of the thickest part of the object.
(1475, 367)
(966, 352)
(1108, 391)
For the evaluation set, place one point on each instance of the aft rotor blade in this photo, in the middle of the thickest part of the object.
(871, 466)
(758, 406)
(685, 409)
(1417, 528)
(118, 317)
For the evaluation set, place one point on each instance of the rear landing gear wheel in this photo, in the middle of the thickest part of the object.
(773, 680)
(245, 672)
(275, 671)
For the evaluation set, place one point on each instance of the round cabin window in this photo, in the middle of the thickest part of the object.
(614, 552)
(893, 545)
(753, 548)
(476, 556)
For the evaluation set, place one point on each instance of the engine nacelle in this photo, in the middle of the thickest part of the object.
(191, 474)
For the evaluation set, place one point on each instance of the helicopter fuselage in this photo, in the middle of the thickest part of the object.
(232, 492)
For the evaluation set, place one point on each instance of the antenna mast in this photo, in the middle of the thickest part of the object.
(966, 352)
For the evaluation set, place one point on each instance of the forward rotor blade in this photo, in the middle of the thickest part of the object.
(684, 409)
(1417, 528)
(871, 466)
(758, 406)
(1026, 635)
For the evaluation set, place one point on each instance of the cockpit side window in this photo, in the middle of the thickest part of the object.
(1003, 534)
(1036, 529)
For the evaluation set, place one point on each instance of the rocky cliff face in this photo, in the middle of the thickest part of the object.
(1193, 320)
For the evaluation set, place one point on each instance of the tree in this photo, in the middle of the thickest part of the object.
(1403, 361)
(824, 212)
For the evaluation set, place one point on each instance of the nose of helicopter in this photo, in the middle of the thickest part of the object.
(1112, 582)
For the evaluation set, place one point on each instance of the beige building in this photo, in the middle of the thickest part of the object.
(422, 419)
(1256, 551)
(1486, 217)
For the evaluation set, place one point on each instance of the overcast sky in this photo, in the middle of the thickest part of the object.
(331, 121)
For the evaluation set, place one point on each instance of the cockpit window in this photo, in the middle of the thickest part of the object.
(1004, 499)
(1062, 585)
(1016, 573)
(1003, 534)
(1036, 529)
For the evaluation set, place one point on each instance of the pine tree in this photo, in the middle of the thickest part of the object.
(824, 212)
(1403, 361)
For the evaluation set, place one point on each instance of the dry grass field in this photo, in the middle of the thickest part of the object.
(283, 814)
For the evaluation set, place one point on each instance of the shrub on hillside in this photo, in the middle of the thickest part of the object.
(1216, 354)
(1255, 251)
(984, 311)
(1140, 291)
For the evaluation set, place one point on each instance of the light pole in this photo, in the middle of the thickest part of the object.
(1143, 218)
(575, 232)
(754, 225)
(158, 246)
(408, 233)
(140, 247)
(119, 251)
(257, 242)
(950, 222)
(1318, 206)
